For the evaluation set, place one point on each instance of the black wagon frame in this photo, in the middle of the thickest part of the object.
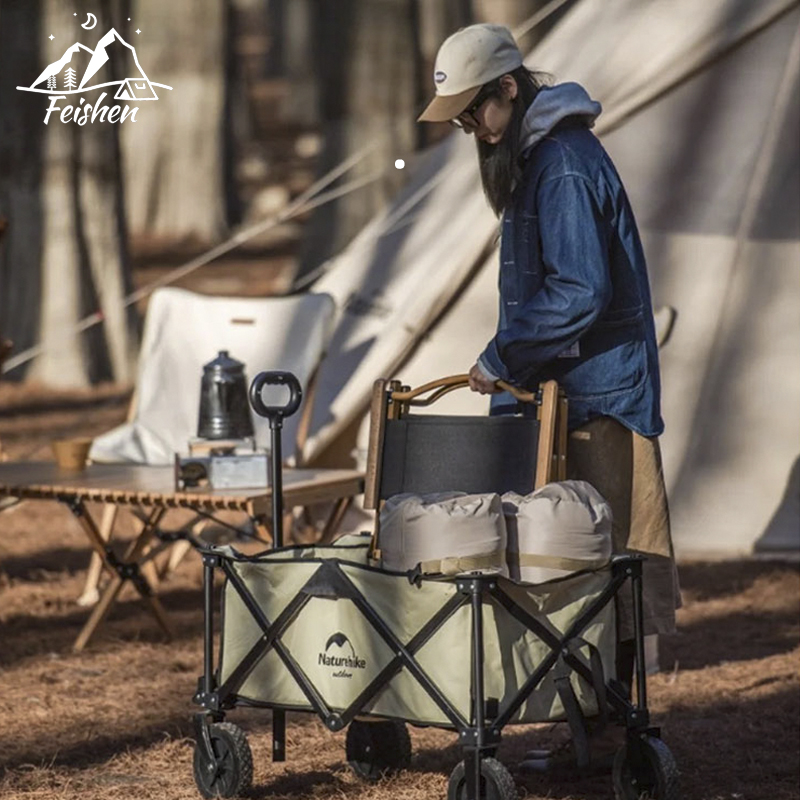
(646, 761)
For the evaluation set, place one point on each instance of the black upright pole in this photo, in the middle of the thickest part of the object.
(275, 415)
(208, 627)
(474, 764)
(275, 425)
(638, 627)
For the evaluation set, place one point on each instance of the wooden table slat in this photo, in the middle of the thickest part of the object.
(134, 484)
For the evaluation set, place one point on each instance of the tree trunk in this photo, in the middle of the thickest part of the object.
(65, 255)
(436, 22)
(301, 105)
(275, 14)
(366, 63)
(176, 155)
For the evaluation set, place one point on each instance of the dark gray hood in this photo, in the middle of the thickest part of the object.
(552, 105)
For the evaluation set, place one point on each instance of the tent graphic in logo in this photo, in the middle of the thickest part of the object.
(82, 69)
(132, 89)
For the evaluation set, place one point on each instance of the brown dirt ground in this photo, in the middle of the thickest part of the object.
(114, 721)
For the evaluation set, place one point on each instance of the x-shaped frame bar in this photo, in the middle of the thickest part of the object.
(127, 568)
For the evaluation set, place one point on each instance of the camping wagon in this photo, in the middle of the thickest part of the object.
(327, 629)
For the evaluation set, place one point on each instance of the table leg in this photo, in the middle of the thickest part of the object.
(135, 555)
(181, 547)
(261, 527)
(176, 554)
(99, 612)
(335, 519)
(149, 530)
(91, 593)
(159, 614)
(125, 569)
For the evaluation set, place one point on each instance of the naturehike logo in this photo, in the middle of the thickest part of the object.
(439, 77)
(343, 658)
(82, 69)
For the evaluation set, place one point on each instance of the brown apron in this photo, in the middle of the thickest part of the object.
(626, 469)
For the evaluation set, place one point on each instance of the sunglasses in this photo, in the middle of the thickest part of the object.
(467, 119)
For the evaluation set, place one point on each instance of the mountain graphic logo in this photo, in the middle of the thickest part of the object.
(342, 655)
(339, 639)
(82, 69)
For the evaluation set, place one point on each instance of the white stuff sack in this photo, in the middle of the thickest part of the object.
(446, 533)
(557, 530)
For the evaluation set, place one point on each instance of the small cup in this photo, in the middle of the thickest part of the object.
(71, 454)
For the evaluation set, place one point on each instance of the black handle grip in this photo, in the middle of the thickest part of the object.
(275, 379)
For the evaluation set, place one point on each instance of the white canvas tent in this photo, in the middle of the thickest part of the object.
(701, 115)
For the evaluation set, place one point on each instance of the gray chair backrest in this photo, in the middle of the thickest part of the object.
(429, 453)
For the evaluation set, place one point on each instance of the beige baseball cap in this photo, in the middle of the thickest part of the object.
(466, 61)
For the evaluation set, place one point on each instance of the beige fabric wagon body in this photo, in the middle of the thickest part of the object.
(341, 653)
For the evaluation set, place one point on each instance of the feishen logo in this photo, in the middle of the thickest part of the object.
(340, 655)
(82, 70)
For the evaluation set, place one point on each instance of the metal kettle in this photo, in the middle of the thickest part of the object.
(224, 409)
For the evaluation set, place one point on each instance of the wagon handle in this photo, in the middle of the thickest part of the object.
(443, 386)
(275, 378)
(276, 415)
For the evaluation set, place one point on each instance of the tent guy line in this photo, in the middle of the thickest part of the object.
(537, 18)
(304, 202)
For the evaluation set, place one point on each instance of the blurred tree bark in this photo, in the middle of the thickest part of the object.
(177, 157)
(275, 15)
(298, 22)
(64, 256)
(436, 22)
(366, 63)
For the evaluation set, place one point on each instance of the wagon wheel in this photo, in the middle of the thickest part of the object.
(377, 748)
(232, 771)
(650, 774)
(496, 782)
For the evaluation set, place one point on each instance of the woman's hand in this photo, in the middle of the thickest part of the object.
(478, 382)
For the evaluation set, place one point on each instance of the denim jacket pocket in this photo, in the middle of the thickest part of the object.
(520, 260)
(613, 359)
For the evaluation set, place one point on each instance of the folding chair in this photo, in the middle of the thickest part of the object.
(430, 453)
(182, 332)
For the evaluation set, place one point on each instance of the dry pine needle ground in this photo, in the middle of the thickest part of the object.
(115, 722)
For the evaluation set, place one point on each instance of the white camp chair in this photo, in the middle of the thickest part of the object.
(182, 332)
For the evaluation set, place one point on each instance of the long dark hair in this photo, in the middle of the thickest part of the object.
(499, 165)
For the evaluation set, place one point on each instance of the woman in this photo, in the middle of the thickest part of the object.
(574, 294)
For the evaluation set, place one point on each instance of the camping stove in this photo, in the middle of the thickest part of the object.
(222, 464)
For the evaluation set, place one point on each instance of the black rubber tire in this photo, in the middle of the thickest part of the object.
(497, 783)
(235, 773)
(654, 779)
(375, 749)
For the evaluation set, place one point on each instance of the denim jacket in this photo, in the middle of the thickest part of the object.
(574, 294)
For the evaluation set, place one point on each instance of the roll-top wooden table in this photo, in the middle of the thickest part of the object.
(152, 489)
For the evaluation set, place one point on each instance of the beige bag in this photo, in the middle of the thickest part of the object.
(556, 531)
(447, 533)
